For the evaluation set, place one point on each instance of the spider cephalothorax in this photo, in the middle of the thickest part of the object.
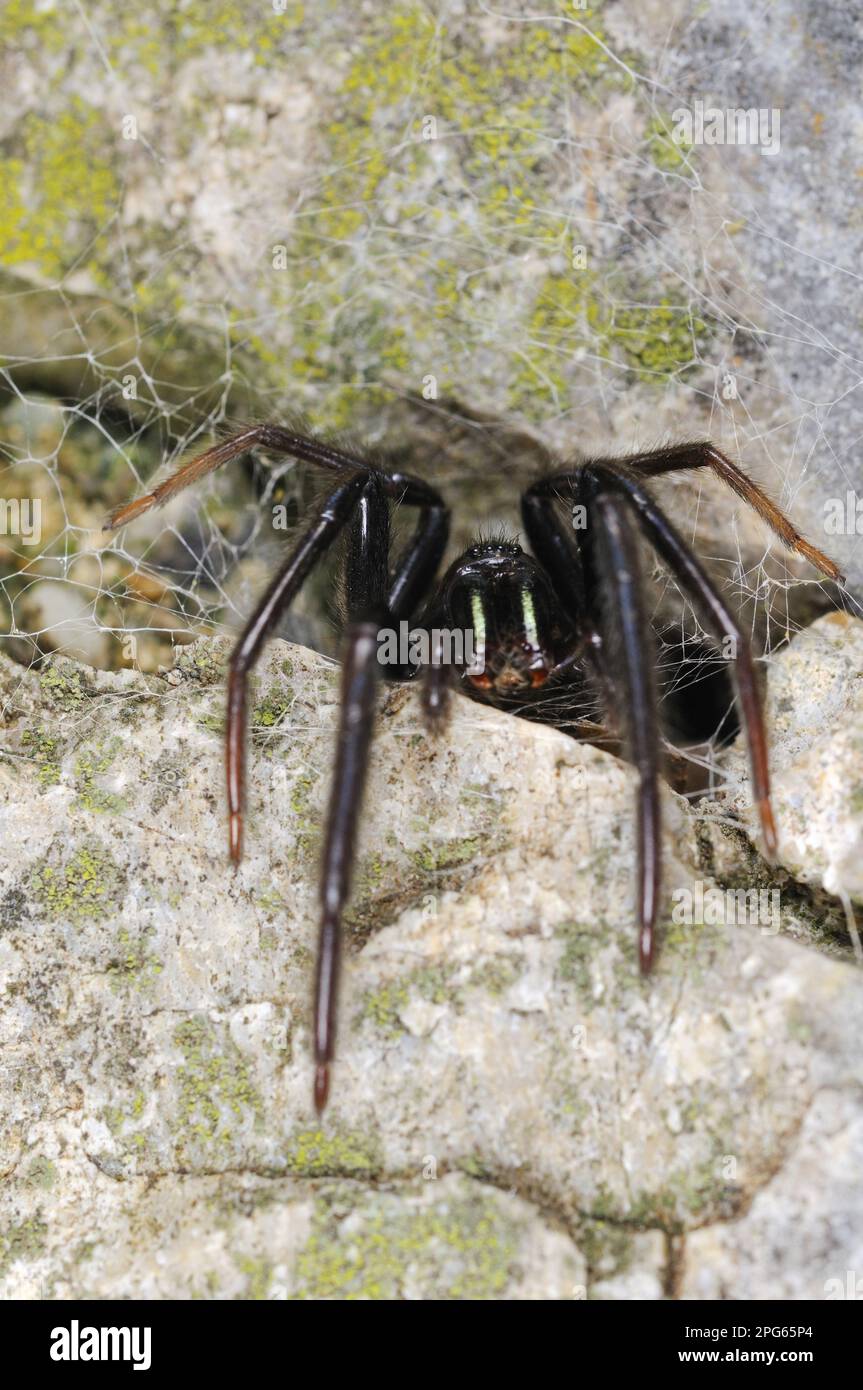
(503, 597)
(568, 617)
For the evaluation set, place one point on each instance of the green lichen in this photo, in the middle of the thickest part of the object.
(268, 900)
(497, 974)
(579, 949)
(213, 723)
(202, 663)
(369, 875)
(607, 1248)
(407, 63)
(307, 824)
(90, 765)
(214, 1083)
(446, 854)
(594, 312)
(269, 713)
(475, 1167)
(314, 1154)
(136, 964)
(669, 155)
(44, 749)
(59, 191)
(63, 689)
(188, 31)
(495, 99)
(458, 1249)
(42, 1173)
(686, 1195)
(432, 983)
(382, 1007)
(141, 37)
(24, 1241)
(133, 1142)
(31, 24)
(259, 1276)
(80, 888)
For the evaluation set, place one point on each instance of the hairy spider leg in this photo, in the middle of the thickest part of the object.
(703, 454)
(417, 565)
(373, 593)
(374, 599)
(597, 578)
(272, 604)
(627, 659)
(437, 677)
(353, 470)
(366, 584)
(558, 553)
(274, 437)
(718, 620)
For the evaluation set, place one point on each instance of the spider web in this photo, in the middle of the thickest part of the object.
(465, 234)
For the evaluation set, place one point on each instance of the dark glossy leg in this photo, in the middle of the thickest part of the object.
(706, 455)
(270, 607)
(554, 543)
(610, 549)
(561, 550)
(281, 441)
(720, 623)
(356, 721)
(418, 564)
(371, 594)
(438, 680)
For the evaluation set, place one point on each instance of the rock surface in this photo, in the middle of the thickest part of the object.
(515, 1113)
(814, 711)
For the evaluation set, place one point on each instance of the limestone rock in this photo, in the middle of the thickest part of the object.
(515, 1113)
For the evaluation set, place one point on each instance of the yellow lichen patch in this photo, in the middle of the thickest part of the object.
(315, 1154)
(216, 1091)
(461, 1248)
(79, 889)
(60, 193)
(415, 93)
(667, 153)
(584, 313)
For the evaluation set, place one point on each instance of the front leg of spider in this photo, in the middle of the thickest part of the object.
(617, 611)
(374, 599)
(362, 492)
(596, 576)
(366, 587)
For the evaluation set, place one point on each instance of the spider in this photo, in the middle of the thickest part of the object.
(571, 614)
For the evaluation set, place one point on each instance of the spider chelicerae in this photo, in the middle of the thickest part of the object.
(570, 615)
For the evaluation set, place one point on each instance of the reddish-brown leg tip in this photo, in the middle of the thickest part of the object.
(768, 829)
(645, 950)
(235, 837)
(322, 1085)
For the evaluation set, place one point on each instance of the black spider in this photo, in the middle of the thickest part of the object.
(569, 616)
